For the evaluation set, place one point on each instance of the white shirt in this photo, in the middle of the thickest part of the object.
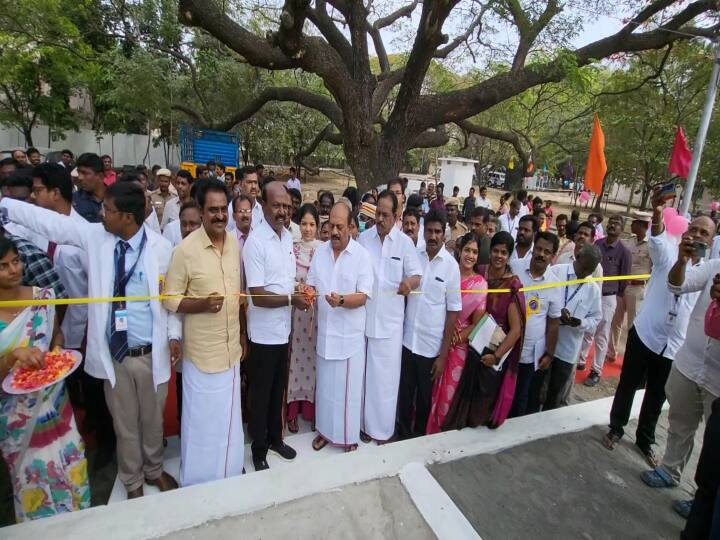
(662, 321)
(699, 357)
(523, 211)
(26, 234)
(715, 249)
(293, 183)
(269, 262)
(539, 305)
(569, 257)
(172, 233)
(71, 266)
(258, 216)
(295, 231)
(171, 212)
(481, 202)
(582, 301)
(517, 263)
(341, 330)
(426, 312)
(392, 261)
(152, 222)
(509, 224)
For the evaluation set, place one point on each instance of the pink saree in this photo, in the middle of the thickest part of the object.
(445, 386)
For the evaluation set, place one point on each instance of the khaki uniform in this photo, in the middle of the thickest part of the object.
(158, 200)
(634, 293)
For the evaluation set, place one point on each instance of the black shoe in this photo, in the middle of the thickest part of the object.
(284, 451)
(260, 464)
(592, 379)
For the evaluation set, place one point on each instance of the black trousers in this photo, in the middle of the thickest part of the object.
(639, 363)
(525, 375)
(267, 380)
(701, 524)
(97, 413)
(415, 394)
(547, 386)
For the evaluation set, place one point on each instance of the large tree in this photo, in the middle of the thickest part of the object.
(331, 39)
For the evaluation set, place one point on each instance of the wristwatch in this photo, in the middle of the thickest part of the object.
(342, 299)
(289, 299)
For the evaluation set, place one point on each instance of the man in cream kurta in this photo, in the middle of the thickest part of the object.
(206, 268)
(343, 281)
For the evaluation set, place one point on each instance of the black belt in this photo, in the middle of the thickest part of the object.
(610, 293)
(140, 351)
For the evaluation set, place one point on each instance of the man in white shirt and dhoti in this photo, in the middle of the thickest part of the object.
(397, 271)
(342, 282)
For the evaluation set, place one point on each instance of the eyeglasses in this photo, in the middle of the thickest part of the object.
(244, 211)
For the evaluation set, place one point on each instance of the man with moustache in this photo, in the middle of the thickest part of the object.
(204, 277)
(428, 328)
(478, 227)
(396, 268)
(250, 187)
(616, 261)
(269, 263)
(523, 251)
(342, 282)
(543, 319)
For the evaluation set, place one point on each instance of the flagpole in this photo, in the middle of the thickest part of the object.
(702, 132)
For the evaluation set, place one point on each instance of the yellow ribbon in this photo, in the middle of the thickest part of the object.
(161, 297)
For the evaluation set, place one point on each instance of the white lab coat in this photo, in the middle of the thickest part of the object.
(100, 248)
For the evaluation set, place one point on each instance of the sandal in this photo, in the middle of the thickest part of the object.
(292, 425)
(351, 448)
(610, 440)
(649, 455)
(657, 478)
(319, 443)
(364, 437)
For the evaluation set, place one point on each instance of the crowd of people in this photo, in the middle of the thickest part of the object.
(355, 315)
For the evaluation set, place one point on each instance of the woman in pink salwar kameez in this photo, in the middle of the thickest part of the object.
(473, 308)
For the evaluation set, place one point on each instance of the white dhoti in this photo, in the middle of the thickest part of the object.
(382, 380)
(212, 445)
(338, 398)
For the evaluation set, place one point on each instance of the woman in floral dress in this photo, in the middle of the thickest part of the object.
(301, 384)
(38, 437)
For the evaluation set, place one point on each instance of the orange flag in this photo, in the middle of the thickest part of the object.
(596, 167)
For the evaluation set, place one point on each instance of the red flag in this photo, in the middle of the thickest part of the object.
(681, 156)
(596, 167)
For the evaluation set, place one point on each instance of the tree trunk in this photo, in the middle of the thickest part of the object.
(27, 133)
(375, 163)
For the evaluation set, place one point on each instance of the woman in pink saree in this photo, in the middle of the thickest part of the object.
(483, 396)
(473, 308)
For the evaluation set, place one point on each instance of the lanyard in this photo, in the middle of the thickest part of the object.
(121, 284)
(574, 292)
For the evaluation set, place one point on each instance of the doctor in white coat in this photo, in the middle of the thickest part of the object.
(127, 344)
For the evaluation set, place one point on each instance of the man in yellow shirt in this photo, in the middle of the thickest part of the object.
(205, 275)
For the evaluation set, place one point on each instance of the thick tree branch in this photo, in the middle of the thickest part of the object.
(509, 137)
(461, 104)
(297, 95)
(382, 90)
(429, 36)
(211, 17)
(431, 139)
(322, 21)
(310, 148)
(289, 36)
(645, 14)
(443, 52)
(530, 32)
(405, 11)
(192, 113)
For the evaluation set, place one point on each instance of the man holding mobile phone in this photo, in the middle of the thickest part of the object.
(694, 380)
(655, 337)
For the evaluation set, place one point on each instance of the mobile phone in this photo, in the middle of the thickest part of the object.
(700, 248)
(667, 191)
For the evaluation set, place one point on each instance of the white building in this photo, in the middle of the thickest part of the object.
(456, 171)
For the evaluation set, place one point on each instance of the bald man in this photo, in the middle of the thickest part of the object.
(269, 263)
(694, 380)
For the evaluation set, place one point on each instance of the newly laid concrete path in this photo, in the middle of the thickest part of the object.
(541, 476)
